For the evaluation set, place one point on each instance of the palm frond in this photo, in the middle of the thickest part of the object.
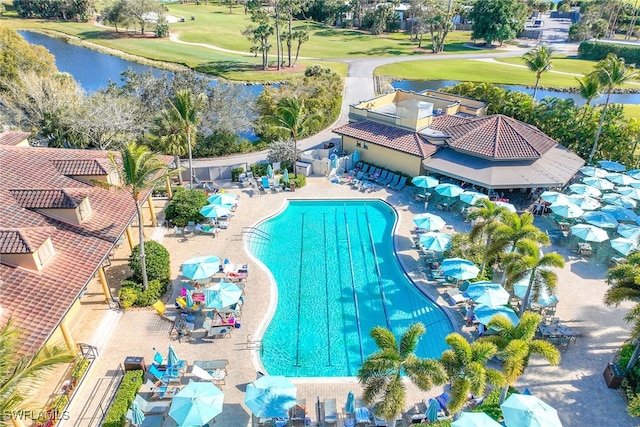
(409, 339)
(482, 351)
(384, 338)
(425, 373)
(546, 350)
(460, 388)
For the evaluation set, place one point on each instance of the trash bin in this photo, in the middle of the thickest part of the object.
(613, 375)
(134, 363)
(292, 186)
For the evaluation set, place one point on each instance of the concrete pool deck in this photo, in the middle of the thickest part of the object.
(575, 388)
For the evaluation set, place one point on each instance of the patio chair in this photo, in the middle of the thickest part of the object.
(330, 411)
(389, 178)
(363, 416)
(382, 176)
(357, 179)
(401, 184)
(266, 186)
(394, 181)
(154, 407)
(375, 174)
(365, 168)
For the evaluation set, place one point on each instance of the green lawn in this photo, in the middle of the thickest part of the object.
(565, 64)
(632, 111)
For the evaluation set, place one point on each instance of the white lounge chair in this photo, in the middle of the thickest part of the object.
(330, 411)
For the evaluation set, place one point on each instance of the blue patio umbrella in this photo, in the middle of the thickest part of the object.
(620, 200)
(620, 213)
(490, 294)
(223, 199)
(632, 192)
(631, 232)
(222, 294)
(593, 171)
(567, 210)
(460, 269)
(584, 202)
(202, 267)
(471, 197)
(589, 233)
(621, 179)
(269, 171)
(285, 176)
(521, 410)
(432, 411)
(544, 297)
(429, 221)
(215, 211)
(553, 197)
(196, 404)
(612, 166)
(173, 360)
(270, 396)
(135, 414)
(585, 190)
(350, 406)
(599, 183)
(355, 157)
(484, 314)
(424, 181)
(433, 241)
(600, 219)
(449, 190)
(634, 173)
(623, 245)
(189, 298)
(475, 419)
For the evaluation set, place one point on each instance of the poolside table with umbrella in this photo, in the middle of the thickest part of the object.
(196, 404)
(620, 200)
(449, 190)
(221, 295)
(567, 210)
(599, 183)
(423, 181)
(429, 222)
(216, 211)
(621, 179)
(489, 294)
(223, 199)
(459, 269)
(485, 313)
(554, 197)
(475, 419)
(593, 171)
(585, 190)
(521, 410)
(433, 241)
(612, 166)
(623, 245)
(584, 202)
(631, 232)
(620, 213)
(200, 268)
(589, 233)
(600, 219)
(270, 396)
(471, 197)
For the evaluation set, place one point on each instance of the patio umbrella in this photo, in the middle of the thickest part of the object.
(544, 297)
(223, 199)
(612, 166)
(355, 157)
(189, 298)
(471, 197)
(554, 197)
(201, 373)
(593, 171)
(475, 419)
(433, 241)
(600, 219)
(449, 190)
(432, 411)
(215, 211)
(196, 404)
(270, 396)
(334, 160)
(490, 294)
(222, 294)
(623, 245)
(620, 213)
(285, 176)
(484, 314)
(350, 406)
(621, 179)
(202, 267)
(599, 183)
(585, 190)
(521, 410)
(634, 173)
(423, 181)
(589, 233)
(429, 221)
(460, 269)
(631, 232)
(506, 205)
(269, 171)
(135, 414)
(584, 202)
(172, 358)
(632, 192)
(568, 210)
(620, 200)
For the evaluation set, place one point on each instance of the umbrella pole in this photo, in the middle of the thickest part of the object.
(319, 423)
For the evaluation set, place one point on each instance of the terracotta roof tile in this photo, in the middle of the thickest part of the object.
(44, 199)
(74, 167)
(444, 121)
(13, 137)
(23, 241)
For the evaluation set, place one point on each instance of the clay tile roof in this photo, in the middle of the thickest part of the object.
(13, 137)
(444, 121)
(500, 138)
(388, 136)
(23, 241)
(75, 167)
(43, 199)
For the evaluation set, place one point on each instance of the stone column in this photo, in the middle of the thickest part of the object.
(152, 212)
(104, 283)
(68, 339)
(129, 238)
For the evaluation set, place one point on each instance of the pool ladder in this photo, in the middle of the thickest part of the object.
(255, 232)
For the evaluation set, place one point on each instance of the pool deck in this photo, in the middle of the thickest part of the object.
(575, 388)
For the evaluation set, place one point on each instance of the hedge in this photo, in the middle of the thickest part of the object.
(596, 51)
(125, 395)
(300, 181)
(185, 206)
(131, 293)
(158, 262)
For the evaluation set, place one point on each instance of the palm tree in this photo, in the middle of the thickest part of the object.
(381, 373)
(611, 72)
(20, 375)
(466, 367)
(528, 261)
(140, 171)
(167, 137)
(489, 213)
(516, 344)
(588, 87)
(538, 60)
(184, 114)
(514, 228)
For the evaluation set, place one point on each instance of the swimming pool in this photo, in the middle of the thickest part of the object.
(337, 277)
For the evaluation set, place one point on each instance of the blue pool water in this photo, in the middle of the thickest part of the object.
(338, 277)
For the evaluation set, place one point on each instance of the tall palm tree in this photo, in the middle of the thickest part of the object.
(184, 112)
(20, 375)
(167, 137)
(611, 72)
(140, 171)
(381, 373)
(466, 367)
(528, 261)
(514, 228)
(538, 60)
(489, 215)
(588, 87)
(516, 344)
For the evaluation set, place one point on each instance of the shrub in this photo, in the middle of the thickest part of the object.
(128, 296)
(596, 51)
(124, 396)
(491, 404)
(259, 169)
(131, 293)
(235, 174)
(185, 206)
(300, 181)
(80, 368)
(158, 262)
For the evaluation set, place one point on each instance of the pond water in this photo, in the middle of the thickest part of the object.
(421, 85)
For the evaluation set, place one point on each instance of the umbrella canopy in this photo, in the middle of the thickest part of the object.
(584, 202)
(196, 404)
(355, 157)
(599, 183)
(223, 199)
(620, 200)
(593, 171)
(554, 197)
(459, 268)
(350, 406)
(623, 245)
(585, 190)
(544, 297)
(484, 314)
(429, 221)
(449, 190)
(475, 419)
(433, 241)
(270, 396)
(285, 176)
(202, 267)
(490, 294)
(521, 410)
(201, 373)
(620, 213)
(600, 219)
(269, 171)
(568, 210)
(471, 197)
(135, 414)
(172, 358)
(631, 232)
(634, 173)
(632, 192)
(222, 294)
(189, 298)
(506, 205)
(432, 411)
(621, 179)
(423, 181)
(589, 233)
(215, 211)
(612, 166)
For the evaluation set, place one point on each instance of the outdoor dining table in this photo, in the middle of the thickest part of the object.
(557, 331)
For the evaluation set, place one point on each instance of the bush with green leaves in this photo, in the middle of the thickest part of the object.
(131, 293)
(595, 51)
(124, 397)
(158, 262)
(185, 206)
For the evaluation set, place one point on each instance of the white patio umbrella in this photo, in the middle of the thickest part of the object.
(593, 171)
(632, 192)
(599, 183)
(589, 233)
(508, 206)
(584, 202)
(624, 245)
(568, 210)
(620, 200)
(621, 179)
(553, 197)
(585, 190)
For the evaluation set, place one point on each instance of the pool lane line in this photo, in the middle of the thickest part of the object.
(297, 364)
(375, 260)
(326, 285)
(353, 285)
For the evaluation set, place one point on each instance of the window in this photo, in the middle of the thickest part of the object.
(45, 252)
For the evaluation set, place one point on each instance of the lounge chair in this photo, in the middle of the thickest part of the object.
(401, 184)
(154, 407)
(365, 168)
(266, 186)
(394, 181)
(363, 416)
(357, 178)
(374, 175)
(299, 411)
(330, 411)
(382, 176)
(389, 178)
